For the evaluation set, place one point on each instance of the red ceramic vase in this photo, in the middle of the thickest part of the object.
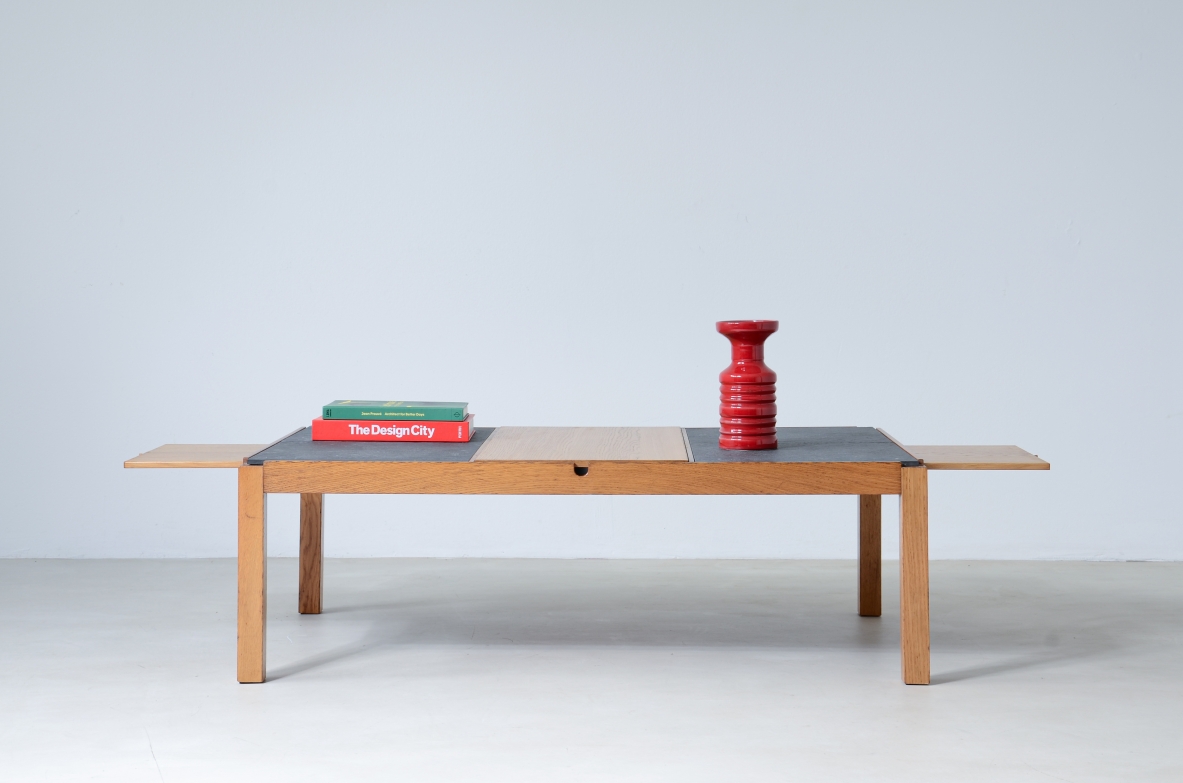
(747, 413)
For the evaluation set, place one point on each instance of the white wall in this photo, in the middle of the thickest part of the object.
(215, 218)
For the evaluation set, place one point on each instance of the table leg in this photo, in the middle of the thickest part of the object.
(870, 555)
(252, 575)
(311, 551)
(914, 576)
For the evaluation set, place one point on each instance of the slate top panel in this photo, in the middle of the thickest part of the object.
(299, 447)
(797, 444)
(805, 444)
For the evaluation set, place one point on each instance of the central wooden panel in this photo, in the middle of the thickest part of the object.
(584, 444)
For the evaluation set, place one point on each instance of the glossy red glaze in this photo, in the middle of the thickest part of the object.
(747, 410)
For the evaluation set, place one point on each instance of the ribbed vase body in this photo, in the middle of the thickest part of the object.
(747, 409)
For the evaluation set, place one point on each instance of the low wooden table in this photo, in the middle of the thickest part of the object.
(591, 461)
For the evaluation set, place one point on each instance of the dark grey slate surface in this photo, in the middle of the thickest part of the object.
(797, 444)
(299, 447)
(805, 444)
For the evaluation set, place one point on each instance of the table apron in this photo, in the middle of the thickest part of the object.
(600, 478)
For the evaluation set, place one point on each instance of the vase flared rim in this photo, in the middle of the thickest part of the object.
(729, 327)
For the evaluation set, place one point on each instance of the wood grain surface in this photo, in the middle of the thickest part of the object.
(252, 576)
(870, 555)
(914, 624)
(195, 455)
(977, 458)
(602, 478)
(535, 444)
(311, 552)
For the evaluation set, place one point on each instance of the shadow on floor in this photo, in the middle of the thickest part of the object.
(1019, 624)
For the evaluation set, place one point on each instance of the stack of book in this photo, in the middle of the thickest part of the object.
(376, 420)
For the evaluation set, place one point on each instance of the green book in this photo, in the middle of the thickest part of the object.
(356, 410)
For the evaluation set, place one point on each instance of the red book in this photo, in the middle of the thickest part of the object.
(404, 431)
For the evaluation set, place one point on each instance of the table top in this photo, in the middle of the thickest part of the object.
(701, 444)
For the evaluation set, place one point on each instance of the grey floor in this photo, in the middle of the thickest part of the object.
(557, 670)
